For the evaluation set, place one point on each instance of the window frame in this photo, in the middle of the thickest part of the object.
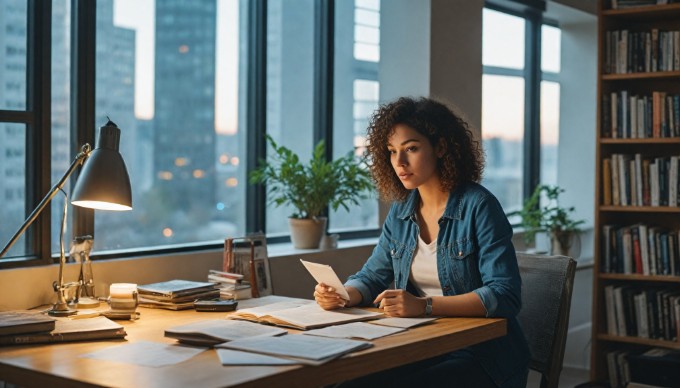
(37, 118)
(532, 74)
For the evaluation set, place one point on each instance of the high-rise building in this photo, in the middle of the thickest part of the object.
(184, 128)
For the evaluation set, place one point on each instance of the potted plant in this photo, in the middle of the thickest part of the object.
(311, 188)
(552, 219)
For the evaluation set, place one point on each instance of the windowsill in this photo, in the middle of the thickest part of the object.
(287, 249)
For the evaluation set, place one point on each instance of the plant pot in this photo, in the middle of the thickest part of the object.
(306, 232)
(565, 244)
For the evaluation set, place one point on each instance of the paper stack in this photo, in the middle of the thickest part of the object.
(175, 294)
(231, 285)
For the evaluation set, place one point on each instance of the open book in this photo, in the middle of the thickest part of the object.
(302, 314)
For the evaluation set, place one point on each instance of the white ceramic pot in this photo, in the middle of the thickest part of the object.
(306, 233)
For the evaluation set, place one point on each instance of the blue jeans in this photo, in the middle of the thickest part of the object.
(457, 369)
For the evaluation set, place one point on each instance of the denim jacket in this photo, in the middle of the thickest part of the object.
(474, 254)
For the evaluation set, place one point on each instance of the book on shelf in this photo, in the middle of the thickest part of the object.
(66, 330)
(656, 366)
(216, 331)
(25, 321)
(302, 314)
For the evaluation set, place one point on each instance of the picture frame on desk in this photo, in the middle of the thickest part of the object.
(248, 256)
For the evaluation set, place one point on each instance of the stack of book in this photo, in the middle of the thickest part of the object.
(231, 285)
(31, 327)
(176, 294)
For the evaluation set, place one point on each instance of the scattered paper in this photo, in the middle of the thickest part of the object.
(308, 349)
(402, 322)
(237, 357)
(355, 330)
(323, 273)
(145, 353)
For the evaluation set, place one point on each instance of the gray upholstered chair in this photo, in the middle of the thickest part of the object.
(547, 283)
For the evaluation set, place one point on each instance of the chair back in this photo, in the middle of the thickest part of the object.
(547, 284)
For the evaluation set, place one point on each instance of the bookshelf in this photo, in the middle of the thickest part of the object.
(639, 139)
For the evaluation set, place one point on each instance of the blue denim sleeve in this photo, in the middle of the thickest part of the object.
(501, 292)
(377, 273)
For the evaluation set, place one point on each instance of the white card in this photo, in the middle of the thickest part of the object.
(323, 273)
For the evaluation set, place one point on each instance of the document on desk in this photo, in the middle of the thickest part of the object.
(361, 330)
(230, 357)
(307, 349)
(404, 323)
(325, 274)
(145, 353)
(214, 331)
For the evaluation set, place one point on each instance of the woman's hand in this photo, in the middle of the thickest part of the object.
(400, 303)
(327, 298)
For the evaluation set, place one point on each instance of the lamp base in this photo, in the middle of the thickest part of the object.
(61, 310)
(87, 303)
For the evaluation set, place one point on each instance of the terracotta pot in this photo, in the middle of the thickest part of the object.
(306, 232)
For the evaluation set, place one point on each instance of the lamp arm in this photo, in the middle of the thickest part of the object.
(77, 161)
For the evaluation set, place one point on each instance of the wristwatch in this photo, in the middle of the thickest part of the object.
(428, 306)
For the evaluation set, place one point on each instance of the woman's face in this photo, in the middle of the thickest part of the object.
(413, 157)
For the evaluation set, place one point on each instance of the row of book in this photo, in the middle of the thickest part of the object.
(641, 51)
(634, 180)
(626, 116)
(643, 312)
(640, 249)
(621, 4)
(655, 367)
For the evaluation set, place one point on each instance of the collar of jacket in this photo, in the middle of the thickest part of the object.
(454, 205)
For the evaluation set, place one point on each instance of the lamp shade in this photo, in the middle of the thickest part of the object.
(104, 182)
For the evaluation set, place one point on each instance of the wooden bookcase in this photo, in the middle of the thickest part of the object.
(642, 82)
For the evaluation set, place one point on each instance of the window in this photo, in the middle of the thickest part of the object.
(520, 103)
(290, 87)
(355, 95)
(177, 78)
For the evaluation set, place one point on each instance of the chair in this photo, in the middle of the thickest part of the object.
(547, 284)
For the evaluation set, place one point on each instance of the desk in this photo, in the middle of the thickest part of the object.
(59, 365)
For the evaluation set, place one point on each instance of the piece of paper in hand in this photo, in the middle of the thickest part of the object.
(323, 273)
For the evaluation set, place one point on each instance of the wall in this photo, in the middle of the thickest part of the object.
(576, 160)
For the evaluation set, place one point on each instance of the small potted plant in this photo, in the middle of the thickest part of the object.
(311, 188)
(552, 219)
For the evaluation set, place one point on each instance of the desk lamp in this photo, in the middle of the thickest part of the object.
(102, 184)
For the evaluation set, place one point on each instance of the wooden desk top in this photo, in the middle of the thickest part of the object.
(60, 365)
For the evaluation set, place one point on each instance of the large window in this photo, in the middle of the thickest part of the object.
(194, 86)
(520, 103)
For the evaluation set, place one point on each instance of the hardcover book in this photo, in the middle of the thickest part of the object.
(24, 321)
(67, 330)
(175, 288)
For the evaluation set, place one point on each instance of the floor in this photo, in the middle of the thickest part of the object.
(569, 378)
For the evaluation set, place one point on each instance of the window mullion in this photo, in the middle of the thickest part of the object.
(38, 135)
(83, 55)
(532, 98)
(256, 107)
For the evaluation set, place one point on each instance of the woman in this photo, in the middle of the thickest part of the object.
(446, 244)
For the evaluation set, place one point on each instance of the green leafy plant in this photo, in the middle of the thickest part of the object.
(550, 218)
(310, 187)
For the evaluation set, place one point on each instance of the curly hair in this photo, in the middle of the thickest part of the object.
(463, 159)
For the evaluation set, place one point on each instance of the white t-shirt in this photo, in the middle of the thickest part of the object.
(424, 269)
